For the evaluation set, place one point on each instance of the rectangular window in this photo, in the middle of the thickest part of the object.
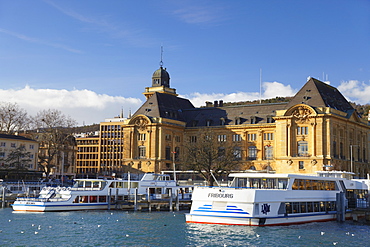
(252, 152)
(177, 138)
(193, 138)
(252, 137)
(168, 153)
(221, 138)
(12, 145)
(141, 137)
(301, 165)
(32, 147)
(237, 153)
(168, 137)
(142, 152)
(303, 149)
(268, 152)
(3, 144)
(302, 130)
(237, 138)
(2, 154)
(268, 136)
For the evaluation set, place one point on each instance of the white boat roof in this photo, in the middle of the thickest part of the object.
(283, 175)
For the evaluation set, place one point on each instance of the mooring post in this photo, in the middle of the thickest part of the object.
(177, 200)
(135, 200)
(341, 208)
(170, 192)
(3, 198)
(109, 196)
(149, 202)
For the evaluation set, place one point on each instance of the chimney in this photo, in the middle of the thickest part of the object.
(215, 104)
(209, 104)
(221, 104)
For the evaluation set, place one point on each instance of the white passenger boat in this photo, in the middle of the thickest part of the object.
(263, 199)
(87, 194)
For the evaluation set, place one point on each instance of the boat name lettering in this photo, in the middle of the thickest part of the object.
(220, 195)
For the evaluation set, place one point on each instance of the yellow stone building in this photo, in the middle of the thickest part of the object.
(317, 130)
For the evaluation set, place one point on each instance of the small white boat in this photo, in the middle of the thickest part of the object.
(263, 199)
(92, 194)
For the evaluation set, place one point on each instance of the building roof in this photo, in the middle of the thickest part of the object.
(165, 106)
(316, 93)
(15, 137)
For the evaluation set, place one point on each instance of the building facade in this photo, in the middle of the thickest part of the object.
(317, 129)
(18, 157)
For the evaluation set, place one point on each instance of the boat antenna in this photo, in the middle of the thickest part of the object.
(214, 178)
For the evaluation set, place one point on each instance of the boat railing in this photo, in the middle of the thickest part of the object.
(85, 189)
(37, 199)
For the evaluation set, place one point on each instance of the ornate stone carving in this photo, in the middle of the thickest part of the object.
(301, 113)
(141, 123)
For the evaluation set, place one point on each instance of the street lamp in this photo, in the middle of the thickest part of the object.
(351, 147)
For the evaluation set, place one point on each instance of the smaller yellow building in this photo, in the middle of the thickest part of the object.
(11, 159)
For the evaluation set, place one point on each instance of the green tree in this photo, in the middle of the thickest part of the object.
(18, 158)
(209, 153)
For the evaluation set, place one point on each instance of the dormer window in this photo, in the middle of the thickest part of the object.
(222, 121)
(253, 120)
(208, 122)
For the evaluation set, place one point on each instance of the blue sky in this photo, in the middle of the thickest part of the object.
(92, 58)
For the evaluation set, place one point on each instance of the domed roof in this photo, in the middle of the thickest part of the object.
(161, 78)
(161, 73)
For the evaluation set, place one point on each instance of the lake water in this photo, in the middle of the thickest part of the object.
(121, 228)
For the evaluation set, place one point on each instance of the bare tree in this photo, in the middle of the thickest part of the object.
(207, 152)
(54, 133)
(12, 118)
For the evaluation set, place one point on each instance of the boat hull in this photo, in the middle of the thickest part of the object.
(250, 221)
(53, 207)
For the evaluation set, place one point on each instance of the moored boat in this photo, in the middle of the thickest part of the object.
(93, 194)
(263, 199)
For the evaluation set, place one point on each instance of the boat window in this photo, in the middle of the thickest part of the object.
(296, 208)
(308, 185)
(87, 184)
(96, 184)
(76, 200)
(84, 199)
(288, 208)
(132, 185)
(102, 198)
(301, 185)
(282, 183)
(316, 207)
(93, 199)
(255, 183)
(79, 184)
(242, 183)
(307, 207)
(119, 184)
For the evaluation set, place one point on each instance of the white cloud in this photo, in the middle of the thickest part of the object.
(270, 90)
(85, 106)
(355, 91)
